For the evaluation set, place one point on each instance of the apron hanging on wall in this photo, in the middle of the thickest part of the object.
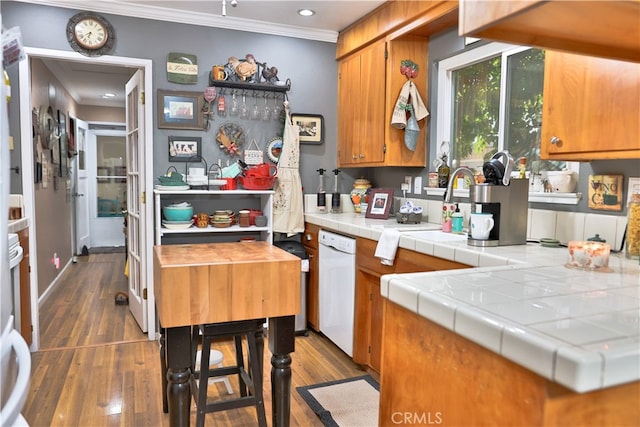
(288, 207)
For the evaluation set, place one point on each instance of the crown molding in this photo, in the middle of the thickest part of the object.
(118, 7)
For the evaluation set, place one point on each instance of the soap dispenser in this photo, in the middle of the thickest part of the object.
(457, 220)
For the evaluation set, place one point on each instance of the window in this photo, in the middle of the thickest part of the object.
(111, 176)
(490, 99)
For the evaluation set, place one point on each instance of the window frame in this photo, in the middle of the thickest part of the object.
(447, 66)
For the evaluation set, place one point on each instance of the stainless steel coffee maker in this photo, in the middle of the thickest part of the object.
(505, 197)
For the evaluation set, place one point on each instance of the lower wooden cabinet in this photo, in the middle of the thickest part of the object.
(310, 242)
(441, 378)
(370, 305)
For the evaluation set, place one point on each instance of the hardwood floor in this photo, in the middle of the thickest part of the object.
(96, 368)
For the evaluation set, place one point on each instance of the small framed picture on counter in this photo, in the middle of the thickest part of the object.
(380, 201)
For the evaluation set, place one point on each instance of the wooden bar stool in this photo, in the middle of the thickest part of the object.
(250, 379)
(215, 360)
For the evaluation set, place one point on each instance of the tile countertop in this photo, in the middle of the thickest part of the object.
(577, 328)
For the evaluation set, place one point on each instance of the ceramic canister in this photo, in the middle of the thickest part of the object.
(361, 188)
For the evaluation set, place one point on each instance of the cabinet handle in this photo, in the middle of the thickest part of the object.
(361, 156)
(311, 256)
(555, 140)
(308, 236)
(355, 157)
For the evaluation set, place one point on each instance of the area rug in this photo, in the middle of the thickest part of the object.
(352, 402)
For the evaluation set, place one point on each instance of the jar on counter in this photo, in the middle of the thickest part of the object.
(359, 194)
(632, 249)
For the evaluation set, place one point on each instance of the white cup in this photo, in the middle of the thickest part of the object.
(481, 225)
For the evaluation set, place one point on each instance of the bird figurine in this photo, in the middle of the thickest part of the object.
(270, 74)
(243, 69)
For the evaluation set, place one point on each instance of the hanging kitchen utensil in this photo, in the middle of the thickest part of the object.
(253, 156)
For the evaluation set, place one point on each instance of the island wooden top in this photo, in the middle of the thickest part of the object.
(221, 282)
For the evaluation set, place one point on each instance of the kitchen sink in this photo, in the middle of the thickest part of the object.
(435, 236)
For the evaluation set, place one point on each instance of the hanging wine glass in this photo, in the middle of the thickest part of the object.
(244, 109)
(255, 111)
(233, 108)
(277, 108)
(266, 111)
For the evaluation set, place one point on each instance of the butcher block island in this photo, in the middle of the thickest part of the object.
(211, 283)
(223, 282)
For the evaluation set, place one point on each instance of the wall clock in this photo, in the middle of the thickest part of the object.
(90, 34)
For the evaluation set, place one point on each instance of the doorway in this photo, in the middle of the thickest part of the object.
(145, 231)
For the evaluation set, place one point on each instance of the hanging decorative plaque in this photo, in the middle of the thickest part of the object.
(182, 68)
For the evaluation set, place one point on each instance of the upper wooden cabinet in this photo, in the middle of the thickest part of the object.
(369, 80)
(369, 85)
(361, 102)
(601, 28)
(590, 109)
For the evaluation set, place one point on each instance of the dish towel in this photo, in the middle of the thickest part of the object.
(387, 246)
(408, 94)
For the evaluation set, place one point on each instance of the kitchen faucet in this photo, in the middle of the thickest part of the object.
(454, 175)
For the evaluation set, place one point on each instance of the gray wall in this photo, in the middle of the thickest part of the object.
(310, 65)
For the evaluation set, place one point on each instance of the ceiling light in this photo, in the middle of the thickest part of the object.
(108, 95)
(306, 12)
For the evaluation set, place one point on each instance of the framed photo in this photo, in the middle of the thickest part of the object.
(380, 201)
(311, 128)
(180, 110)
(185, 148)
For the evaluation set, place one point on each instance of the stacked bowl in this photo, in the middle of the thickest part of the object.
(178, 215)
(222, 218)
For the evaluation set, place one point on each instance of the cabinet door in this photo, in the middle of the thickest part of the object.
(415, 49)
(590, 108)
(370, 103)
(348, 93)
(361, 103)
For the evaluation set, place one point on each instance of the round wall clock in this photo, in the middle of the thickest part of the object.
(90, 34)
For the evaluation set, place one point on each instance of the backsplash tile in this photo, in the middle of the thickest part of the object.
(543, 224)
(604, 225)
(570, 226)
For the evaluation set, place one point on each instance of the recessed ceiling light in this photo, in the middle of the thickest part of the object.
(108, 95)
(306, 12)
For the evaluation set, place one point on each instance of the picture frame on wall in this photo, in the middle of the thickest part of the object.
(380, 201)
(311, 127)
(185, 148)
(605, 192)
(180, 110)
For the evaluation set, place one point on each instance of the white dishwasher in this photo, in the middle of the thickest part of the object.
(337, 287)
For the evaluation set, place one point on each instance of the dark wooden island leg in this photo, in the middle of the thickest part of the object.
(281, 344)
(178, 362)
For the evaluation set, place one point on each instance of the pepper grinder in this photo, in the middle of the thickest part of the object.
(321, 202)
(335, 196)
